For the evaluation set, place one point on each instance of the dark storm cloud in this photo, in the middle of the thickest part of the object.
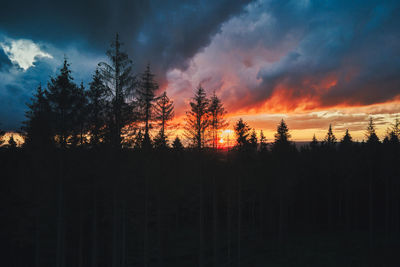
(166, 33)
(355, 43)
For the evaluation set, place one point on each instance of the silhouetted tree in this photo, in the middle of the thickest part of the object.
(197, 118)
(347, 140)
(263, 142)
(282, 137)
(217, 120)
(253, 141)
(37, 128)
(81, 112)
(314, 143)
(330, 139)
(177, 144)
(242, 130)
(372, 138)
(61, 94)
(11, 144)
(146, 98)
(164, 112)
(97, 108)
(119, 81)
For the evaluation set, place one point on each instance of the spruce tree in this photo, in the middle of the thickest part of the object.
(253, 141)
(61, 95)
(177, 144)
(119, 82)
(146, 98)
(11, 144)
(330, 139)
(97, 107)
(347, 139)
(314, 142)
(242, 130)
(217, 120)
(37, 128)
(263, 142)
(198, 118)
(282, 135)
(372, 138)
(81, 112)
(164, 112)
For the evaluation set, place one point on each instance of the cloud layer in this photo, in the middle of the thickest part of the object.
(285, 56)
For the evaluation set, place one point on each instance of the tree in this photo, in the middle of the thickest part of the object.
(330, 139)
(314, 142)
(347, 139)
(197, 118)
(61, 95)
(372, 138)
(263, 142)
(119, 82)
(97, 106)
(253, 141)
(37, 128)
(11, 142)
(81, 110)
(282, 136)
(217, 120)
(146, 98)
(164, 112)
(242, 130)
(1, 137)
(177, 144)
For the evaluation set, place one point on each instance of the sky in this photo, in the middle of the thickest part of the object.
(312, 63)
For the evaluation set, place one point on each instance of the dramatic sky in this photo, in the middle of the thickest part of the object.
(310, 62)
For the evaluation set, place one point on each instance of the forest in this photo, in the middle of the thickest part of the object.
(100, 180)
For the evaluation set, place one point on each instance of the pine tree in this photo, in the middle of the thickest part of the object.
(61, 95)
(330, 139)
(81, 111)
(242, 130)
(347, 139)
(177, 144)
(314, 143)
(97, 106)
(282, 137)
(217, 120)
(198, 119)
(253, 141)
(146, 98)
(263, 142)
(37, 128)
(372, 138)
(119, 82)
(164, 112)
(11, 142)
